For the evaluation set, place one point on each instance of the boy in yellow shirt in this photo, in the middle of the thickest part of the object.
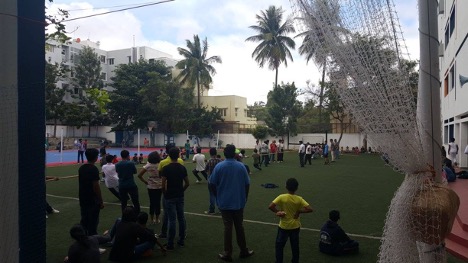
(288, 207)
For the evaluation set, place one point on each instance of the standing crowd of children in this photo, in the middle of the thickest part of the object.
(166, 180)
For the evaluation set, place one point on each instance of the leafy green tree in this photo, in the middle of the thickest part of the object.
(336, 110)
(313, 46)
(258, 110)
(260, 132)
(283, 109)
(196, 66)
(136, 86)
(88, 80)
(274, 43)
(54, 95)
(203, 121)
(59, 34)
(75, 115)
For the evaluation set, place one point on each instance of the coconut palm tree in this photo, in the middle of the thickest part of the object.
(274, 43)
(196, 67)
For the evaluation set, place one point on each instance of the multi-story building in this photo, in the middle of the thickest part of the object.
(453, 35)
(233, 108)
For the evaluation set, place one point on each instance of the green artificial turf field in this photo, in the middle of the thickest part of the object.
(361, 187)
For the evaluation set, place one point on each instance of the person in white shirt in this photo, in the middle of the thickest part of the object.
(110, 176)
(264, 152)
(453, 150)
(280, 151)
(200, 160)
(308, 154)
(301, 153)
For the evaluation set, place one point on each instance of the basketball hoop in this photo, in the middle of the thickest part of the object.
(151, 125)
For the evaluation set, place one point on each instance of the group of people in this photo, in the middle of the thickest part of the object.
(166, 181)
(268, 152)
(308, 151)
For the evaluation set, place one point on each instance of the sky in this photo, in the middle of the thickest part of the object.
(225, 23)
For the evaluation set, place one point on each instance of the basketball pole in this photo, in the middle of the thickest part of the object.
(61, 146)
(138, 143)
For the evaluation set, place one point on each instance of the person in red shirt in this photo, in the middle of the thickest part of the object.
(273, 150)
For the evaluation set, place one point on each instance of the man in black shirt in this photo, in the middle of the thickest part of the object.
(333, 239)
(174, 183)
(90, 192)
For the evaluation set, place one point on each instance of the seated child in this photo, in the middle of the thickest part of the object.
(140, 158)
(333, 239)
(128, 234)
(135, 158)
(86, 248)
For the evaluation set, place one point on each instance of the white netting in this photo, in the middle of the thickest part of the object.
(363, 45)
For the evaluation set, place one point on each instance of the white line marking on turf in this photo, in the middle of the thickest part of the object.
(213, 216)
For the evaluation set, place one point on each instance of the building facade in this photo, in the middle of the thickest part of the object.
(453, 34)
(234, 111)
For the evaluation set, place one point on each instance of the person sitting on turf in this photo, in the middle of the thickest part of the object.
(135, 158)
(86, 248)
(143, 243)
(333, 239)
(127, 234)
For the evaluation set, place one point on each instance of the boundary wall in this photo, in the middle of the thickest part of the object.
(241, 140)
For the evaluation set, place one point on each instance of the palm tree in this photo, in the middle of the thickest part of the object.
(196, 67)
(274, 44)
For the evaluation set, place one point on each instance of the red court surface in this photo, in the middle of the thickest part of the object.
(457, 242)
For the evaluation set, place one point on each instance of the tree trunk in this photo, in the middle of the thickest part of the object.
(198, 90)
(322, 88)
(55, 127)
(276, 78)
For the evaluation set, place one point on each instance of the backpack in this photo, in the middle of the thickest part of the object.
(463, 175)
(270, 185)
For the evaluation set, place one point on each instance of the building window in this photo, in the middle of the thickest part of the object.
(446, 83)
(110, 61)
(452, 77)
(103, 59)
(72, 73)
(236, 110)
(151, 60)
(450, 27)
(103, 75)
(223, 112)
(452, 22)
(446, 134)
(129, 59)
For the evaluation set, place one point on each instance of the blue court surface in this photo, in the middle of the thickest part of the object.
(71, 156)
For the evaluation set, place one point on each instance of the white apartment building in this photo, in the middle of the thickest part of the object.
(453, 34)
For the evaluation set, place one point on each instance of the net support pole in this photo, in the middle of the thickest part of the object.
(61, 146)
(217, 141)
(138, 142)
(428, 111)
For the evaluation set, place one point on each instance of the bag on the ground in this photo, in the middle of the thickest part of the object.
(463, 175)
(270, 185)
